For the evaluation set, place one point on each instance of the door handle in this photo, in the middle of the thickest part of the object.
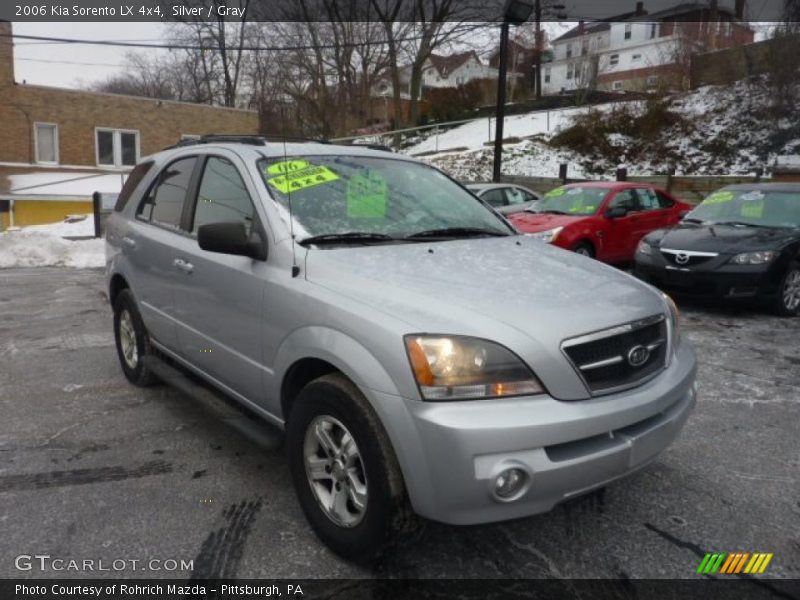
(182, 265)
(129, 243)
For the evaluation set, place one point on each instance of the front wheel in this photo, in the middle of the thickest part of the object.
(584, 249)
(788, 301)
(344, 470)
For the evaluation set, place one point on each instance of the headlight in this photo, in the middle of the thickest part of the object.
(674, 318)
(754, 258)
(548, 237)
(463, 368)
(644, 248)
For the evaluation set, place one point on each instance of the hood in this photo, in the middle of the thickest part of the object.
(494, 288)
(724, 239)
(530, 222)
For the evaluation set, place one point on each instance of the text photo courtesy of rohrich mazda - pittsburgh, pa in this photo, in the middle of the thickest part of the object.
(388, 299)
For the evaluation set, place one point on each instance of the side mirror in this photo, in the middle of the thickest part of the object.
(231, 238)
(616, 212)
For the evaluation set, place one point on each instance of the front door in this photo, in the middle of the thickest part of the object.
(621, 231)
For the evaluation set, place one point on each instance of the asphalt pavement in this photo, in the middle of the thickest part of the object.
(92, 468)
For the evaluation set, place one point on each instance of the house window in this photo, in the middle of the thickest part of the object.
(628, 30)
(569, 50)
(570, 71)
(636, 58)
(117, 147)
(46, 142)
(652, 80)
(653, 30)
(584, 48)
(547, 75)
(617, 85)
(613, 60)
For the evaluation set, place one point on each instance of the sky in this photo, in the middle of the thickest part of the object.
(45, 63)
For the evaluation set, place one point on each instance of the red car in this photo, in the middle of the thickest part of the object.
(601, 219)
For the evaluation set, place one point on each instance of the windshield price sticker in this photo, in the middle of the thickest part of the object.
(719, 198)
(366, 196)
(574, 191)
(287, 166)
(555, 193)
(304, 178)
(752, 196)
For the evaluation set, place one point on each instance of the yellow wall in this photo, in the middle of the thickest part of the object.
(40, 212)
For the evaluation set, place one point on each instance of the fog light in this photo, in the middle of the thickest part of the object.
(509, 482)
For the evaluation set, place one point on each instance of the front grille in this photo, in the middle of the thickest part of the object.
(686, 259)
(620, 357)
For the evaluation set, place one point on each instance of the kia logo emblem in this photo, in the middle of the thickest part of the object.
(681, 258)
(638, 355)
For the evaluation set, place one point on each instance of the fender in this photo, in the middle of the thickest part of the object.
(339, 349)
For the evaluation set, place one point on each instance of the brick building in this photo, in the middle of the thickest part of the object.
(52, 138)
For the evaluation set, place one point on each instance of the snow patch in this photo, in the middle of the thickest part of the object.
(46, 246)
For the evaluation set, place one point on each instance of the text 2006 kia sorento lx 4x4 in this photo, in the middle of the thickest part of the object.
(418, 352)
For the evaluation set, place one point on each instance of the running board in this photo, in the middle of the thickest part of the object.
(260, 432)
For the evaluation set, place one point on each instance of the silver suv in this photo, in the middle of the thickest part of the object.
(420, 355)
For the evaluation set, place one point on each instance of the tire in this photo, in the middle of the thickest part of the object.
(132, 341)
(334, 405)
(584, 249)
(787, 304)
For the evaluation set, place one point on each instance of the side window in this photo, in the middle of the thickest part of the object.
(515, 196)
(624, 199)
(495, 197)
(664, 201)
(528, 197)
(222, 197)
(131, 182)
(647, 199)
(164, 204)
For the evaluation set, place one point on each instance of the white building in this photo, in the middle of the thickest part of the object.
(637, 51)
(441, 72)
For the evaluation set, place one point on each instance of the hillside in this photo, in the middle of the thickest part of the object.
(714, 130)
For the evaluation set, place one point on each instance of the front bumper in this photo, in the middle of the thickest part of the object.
(451, 453)
(730, 282)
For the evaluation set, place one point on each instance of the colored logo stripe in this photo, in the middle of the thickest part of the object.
(733, 563)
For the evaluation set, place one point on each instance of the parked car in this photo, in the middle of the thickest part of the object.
(505, 198)
(740, 243)
(602, 219)
(420, 355)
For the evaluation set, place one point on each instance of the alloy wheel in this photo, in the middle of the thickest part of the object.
(335, 471)
(127, 339)
(791, 290)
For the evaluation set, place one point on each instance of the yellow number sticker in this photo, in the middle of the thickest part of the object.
(719, 198)
(556, 192)
(302, 179)
(287, 166)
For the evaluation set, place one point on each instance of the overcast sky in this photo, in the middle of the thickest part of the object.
(49, 63)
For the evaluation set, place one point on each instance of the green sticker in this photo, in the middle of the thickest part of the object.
(556, 192)
(287, 166)
(302, 179)
(753, 210)
(366, 196)
(719, 198)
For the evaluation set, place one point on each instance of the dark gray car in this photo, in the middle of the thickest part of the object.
(419, 354)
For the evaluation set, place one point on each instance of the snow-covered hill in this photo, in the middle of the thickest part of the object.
(718, 130)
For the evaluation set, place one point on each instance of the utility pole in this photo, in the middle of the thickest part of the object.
(501, 101)
(537, 11)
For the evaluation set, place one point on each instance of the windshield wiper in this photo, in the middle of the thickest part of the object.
(554, 212)
(453, 232)
(346, 238)
(740, 223)
(691, 220)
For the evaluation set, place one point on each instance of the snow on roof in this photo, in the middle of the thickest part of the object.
(63, 183)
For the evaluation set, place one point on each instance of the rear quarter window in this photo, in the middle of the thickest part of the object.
(134, 179)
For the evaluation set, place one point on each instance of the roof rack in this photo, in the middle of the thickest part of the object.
(252, 139)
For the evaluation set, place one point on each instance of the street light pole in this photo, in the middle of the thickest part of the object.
(501, 102)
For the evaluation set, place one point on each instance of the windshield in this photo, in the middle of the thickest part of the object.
(332, 195)
(764, 208)
(573, 200)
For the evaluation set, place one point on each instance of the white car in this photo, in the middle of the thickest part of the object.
(505, 198)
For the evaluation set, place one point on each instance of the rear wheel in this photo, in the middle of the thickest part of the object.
(344, 470)
(788, 300)
(133, 343)
(584, 249)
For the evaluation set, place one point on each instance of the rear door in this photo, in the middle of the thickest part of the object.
(220, 297)
(148, 245)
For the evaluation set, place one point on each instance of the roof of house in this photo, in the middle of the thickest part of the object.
(605, 24)
(447, 64)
